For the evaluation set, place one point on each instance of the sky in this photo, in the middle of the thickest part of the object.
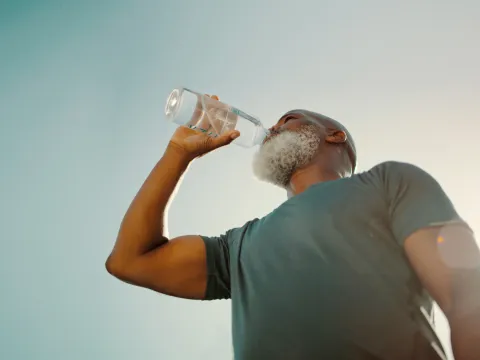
(82, 92)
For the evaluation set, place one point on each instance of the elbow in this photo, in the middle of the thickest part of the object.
(115, 267)
(122, 270)
(111, 266)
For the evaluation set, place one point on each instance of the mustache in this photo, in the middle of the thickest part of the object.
(272, 134)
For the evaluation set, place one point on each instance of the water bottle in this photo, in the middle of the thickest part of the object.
(202, 113)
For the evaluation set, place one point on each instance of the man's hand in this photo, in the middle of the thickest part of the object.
(192, 144)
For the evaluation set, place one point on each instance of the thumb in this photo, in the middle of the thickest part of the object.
(225, 139)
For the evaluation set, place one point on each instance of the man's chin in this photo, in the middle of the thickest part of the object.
(282, 153)
(270, 176)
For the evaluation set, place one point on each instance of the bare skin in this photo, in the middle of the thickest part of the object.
(144, 255)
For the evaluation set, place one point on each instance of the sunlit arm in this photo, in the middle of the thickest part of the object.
(447, 262)
(144, 227)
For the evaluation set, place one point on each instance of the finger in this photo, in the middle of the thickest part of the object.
(225, 139)
(215, 97)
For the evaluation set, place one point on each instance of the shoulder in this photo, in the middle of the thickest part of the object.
(233, 235)
(397, 168)
(239, 232)
(400, 172)
(395, 179)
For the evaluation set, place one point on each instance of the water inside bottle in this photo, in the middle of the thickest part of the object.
(224, 118)
(213, 117)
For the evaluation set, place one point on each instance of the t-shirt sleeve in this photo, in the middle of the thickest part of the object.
(415, 200)
(218, 266)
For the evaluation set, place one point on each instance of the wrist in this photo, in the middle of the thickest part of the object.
(176, 152)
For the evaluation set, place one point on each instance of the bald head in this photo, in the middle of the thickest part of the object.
(332, 124)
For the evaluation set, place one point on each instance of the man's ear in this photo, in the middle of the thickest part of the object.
(335, 136)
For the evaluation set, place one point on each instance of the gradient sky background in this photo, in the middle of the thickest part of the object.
(82, 91)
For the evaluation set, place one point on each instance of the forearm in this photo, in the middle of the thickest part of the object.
(143, 227)
(464, 316)
(465, 336)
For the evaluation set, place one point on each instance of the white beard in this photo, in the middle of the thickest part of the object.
(277, 159)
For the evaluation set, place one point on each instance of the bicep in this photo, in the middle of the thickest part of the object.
(439, 245)
(446, 259)
(177, 268)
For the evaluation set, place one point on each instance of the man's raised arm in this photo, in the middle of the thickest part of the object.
(143, 255)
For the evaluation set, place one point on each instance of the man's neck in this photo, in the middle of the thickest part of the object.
(302, 179)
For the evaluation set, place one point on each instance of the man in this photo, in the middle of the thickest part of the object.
(346, 268)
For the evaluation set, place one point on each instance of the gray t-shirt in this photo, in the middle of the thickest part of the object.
(324, 275)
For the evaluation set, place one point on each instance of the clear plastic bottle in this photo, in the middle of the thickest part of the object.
(202, 113)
